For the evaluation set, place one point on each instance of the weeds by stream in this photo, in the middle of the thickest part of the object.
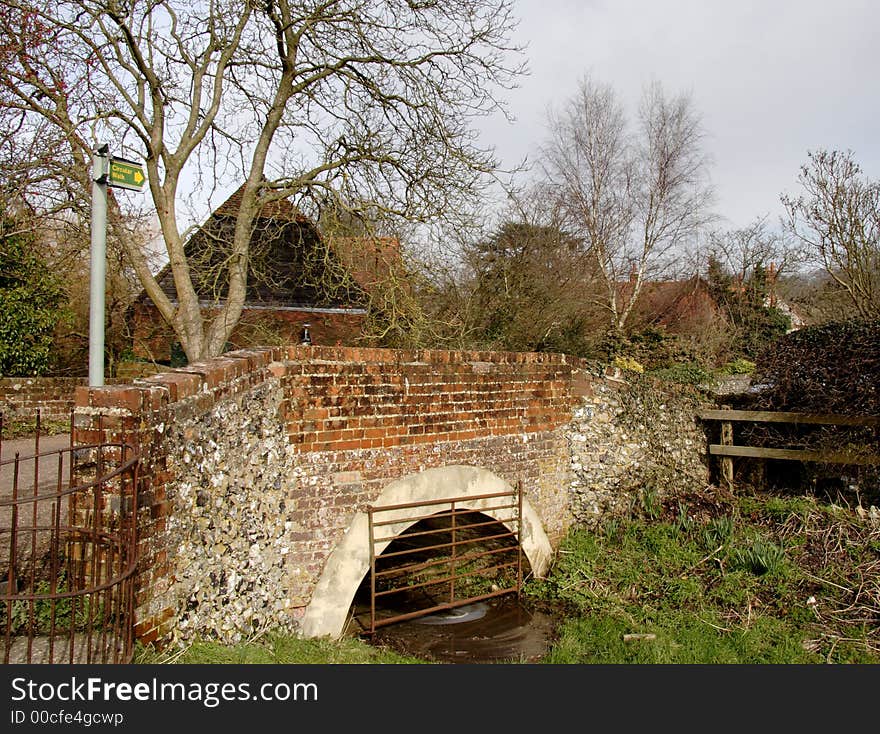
(757, 578)
(752, 578)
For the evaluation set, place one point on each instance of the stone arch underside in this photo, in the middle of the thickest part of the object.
(349, 562)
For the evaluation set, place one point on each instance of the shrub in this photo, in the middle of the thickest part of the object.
(690, 373)
(834, 368)
(654, 348)
(739, 366)
(30, 301)
(628, 363)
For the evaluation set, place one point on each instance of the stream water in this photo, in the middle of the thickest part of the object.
(495, 631)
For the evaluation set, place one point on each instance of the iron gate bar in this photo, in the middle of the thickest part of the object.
(431, 503)
(370, 512)
(452, 556)
(454, 530)
(415, 518)
(447, 545)
(445, 501)
(460, 527)
(441, 561)
(397, 590)
(99, 561)
(438, 608)
(13, 541)
(519, 501)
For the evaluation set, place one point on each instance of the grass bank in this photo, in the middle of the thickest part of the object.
(276, 649)
(758, 578)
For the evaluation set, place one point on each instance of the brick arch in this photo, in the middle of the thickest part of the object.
(350, 560)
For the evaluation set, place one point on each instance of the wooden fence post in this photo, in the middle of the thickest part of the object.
(727, 461)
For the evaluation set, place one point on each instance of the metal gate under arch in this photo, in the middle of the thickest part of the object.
(68, 553)
(455, 542)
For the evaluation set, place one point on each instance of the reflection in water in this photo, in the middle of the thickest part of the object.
(466, 613)
(496, 631)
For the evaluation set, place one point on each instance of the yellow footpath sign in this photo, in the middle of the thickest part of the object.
(126, 175)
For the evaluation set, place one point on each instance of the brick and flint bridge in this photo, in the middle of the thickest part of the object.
(258, 469)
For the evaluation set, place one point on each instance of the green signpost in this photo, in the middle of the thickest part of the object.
(125, 174)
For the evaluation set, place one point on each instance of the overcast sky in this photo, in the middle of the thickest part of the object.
(771, 79)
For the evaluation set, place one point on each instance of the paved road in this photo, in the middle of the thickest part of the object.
(48, 465)
(28, 544)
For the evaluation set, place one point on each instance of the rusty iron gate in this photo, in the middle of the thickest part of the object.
(456, 541)
(67, 552)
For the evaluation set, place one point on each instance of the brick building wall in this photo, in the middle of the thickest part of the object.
(153, 338)
(54, 397)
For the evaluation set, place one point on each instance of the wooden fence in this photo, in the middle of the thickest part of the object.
(727, 449)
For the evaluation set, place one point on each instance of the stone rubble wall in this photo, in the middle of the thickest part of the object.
(633, 441)
(228, 533)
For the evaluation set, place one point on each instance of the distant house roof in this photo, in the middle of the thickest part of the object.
(290, 265)
(370, 260)
(675, 304)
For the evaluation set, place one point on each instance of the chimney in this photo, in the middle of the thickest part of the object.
(771, 283)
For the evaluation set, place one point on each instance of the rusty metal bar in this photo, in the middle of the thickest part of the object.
(56, 533)
(32, 603)
(443, 530)
(455, 560)
(397, 590)
(519, 548)
(10, 574)
(441, 546)
(89, 600)
(452, 557)
(429, 503)
(90, 559)
(372, 574)
(440, 607)
(466, 558)
(441, 515)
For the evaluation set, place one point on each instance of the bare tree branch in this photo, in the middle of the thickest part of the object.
(367, 101)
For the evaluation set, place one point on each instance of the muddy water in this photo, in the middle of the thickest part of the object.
(496, 631)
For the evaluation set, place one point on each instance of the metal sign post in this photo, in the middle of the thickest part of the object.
(122, 174)
(97, 279)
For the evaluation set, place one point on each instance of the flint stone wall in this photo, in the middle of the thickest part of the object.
(228, 529)
(631, 437)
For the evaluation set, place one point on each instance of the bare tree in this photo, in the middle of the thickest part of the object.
(837, 219)
(632, 194)
(755, 246)
(364, 100)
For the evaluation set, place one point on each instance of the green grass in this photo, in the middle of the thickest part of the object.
(780, 580)
(275, 649)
